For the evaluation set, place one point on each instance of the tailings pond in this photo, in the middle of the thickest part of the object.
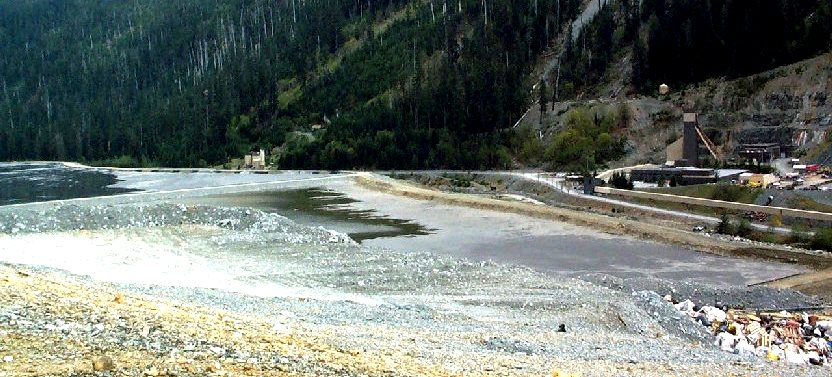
(408, 225)
(379, 220)
(38, 182)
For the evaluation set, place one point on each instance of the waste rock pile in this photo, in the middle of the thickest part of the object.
(795, 338)
(734, 296)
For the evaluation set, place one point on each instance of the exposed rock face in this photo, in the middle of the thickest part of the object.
(789, 105)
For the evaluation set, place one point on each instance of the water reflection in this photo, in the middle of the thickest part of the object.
(27, 183)
(321, 207)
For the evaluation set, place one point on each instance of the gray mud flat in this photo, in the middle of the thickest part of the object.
(321, 207)
(549, 246)
(38, 182)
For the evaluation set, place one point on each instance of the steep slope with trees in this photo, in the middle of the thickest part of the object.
(687, 41)
(395, 83)
(342, 84)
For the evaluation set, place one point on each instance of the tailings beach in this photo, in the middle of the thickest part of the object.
(209, 274)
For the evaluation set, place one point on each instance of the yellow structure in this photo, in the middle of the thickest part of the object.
(757, 180)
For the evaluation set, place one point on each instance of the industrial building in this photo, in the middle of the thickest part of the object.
(687, 148)
(729, 175)
(761, 153)
(682, 175)
(758, 180)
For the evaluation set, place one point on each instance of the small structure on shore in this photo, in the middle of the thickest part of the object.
(255, 160)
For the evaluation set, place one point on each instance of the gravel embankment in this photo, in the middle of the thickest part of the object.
(55, 325)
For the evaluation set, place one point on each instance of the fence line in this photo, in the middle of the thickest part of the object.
(781, 211)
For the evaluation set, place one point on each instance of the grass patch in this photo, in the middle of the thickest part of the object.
(288, 97)
(119, 162)
(809, 204)
(723, 191)
(822, 240)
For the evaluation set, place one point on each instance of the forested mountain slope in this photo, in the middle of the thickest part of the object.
(394, 83)
(351, 83)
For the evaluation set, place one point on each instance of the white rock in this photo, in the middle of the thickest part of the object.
(97, 328)
(793, 357)
(826, 325)
(685, 306)
(725, 341)
(743, 348)
(714, 314)
(761, 351)
(280, 328)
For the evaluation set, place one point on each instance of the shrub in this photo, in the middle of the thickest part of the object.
(744, 229)
(118, 162)
(822, 240)
(799, 235)
(725, 225)
(619, 180)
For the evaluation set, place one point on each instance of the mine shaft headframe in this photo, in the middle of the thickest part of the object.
(693, 134)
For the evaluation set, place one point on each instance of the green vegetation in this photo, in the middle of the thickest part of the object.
(741, 228)
(397, 84)
(586, 142)
(527, 145)
(723, 191)
(119, 162)
(725, 225)
(620, 180)
(822, 240)
(809, 204)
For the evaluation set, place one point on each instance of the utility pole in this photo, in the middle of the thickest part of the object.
(205, 130)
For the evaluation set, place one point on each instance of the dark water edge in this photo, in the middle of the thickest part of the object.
(40, 182)
(321, 207)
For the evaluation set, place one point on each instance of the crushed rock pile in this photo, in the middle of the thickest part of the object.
(795, 338)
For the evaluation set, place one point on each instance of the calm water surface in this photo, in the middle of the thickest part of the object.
(27, 183)
(322, 207)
